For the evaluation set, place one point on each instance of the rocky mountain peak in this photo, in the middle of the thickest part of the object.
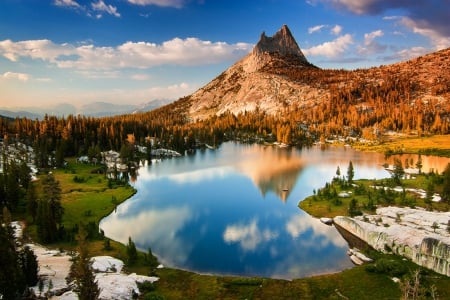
(281, 45)
(281, 42)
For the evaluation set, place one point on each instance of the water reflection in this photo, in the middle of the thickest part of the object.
(272, 169)
(220, 211)
(248, 236)
(152, 227)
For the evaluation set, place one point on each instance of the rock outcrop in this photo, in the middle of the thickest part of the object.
(251, 83)
(280, 46)
(418, 235)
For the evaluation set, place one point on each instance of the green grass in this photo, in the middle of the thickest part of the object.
(355, 283)
(90, 199)
(320, 206)
(438, 145)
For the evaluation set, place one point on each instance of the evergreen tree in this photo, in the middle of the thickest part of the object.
(398, 172)
(81, 270)
(12, 187)
(29, 265)
(32, 203)
(350, 172)
(131, 251)
(12, 283)
(50, 211)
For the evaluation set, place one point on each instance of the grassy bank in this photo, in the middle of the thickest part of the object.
(87, 197)
(328, 202)
(438, 145)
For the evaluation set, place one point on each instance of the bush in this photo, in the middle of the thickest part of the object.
(387, 266)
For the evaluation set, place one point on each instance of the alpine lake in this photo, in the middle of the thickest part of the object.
(234, 210)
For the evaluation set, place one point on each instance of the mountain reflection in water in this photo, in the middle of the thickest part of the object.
(219, 211)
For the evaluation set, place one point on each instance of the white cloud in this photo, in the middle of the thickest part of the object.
(369, 37)
(370, 45)
(67, 3)
(189, 51)
(315, 28)
(426, 18)
(248, 236)
(331, 49)
(140, 77)
(16, 76)
(162, 3)
(102, 7)
(437, 38)
(407, 54)
(336, 30)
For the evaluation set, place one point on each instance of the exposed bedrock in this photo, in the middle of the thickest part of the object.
(418, 235)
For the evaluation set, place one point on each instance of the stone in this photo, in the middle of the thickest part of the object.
(416, 234)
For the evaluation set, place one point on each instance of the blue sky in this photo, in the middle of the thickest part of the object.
(134, 51)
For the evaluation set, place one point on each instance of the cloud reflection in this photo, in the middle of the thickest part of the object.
(153, 228)
(200, 175)
(194, 176)
(248, 236)
(322, 234)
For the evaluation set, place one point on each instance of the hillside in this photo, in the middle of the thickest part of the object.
(277, 79)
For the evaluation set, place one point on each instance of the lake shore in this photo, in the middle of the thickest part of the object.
(175, 284)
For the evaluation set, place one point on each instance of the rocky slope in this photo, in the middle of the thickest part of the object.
(276, 77)
(418, 235)
(247, 85)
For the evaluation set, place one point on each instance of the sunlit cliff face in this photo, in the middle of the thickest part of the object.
(272, 171)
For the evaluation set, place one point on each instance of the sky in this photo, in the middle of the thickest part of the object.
(134, 51)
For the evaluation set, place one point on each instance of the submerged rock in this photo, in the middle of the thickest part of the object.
(418, 235)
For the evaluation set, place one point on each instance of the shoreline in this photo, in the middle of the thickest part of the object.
(172, 278)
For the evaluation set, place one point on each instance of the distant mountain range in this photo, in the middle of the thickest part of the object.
(96, 109)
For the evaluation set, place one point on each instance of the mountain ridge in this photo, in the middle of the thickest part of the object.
(275, 77)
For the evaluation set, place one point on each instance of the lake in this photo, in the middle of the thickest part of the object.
(234, 210)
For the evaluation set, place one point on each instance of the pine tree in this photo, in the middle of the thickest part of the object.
(29, 265)
(81, 270)
(32, 203)
(398, 172)
(131, 251)
(50, 211)
(12, 282)
(350, 172)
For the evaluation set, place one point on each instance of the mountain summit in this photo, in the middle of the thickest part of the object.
(253, 81)
(280, 47)
(281, 43)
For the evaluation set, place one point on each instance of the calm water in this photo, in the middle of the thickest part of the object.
(234, 210)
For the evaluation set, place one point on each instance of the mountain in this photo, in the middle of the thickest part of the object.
(275, 77)
(151, 105)
(247, 85)
(95, 109)
(20, 114)
(101, 109)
